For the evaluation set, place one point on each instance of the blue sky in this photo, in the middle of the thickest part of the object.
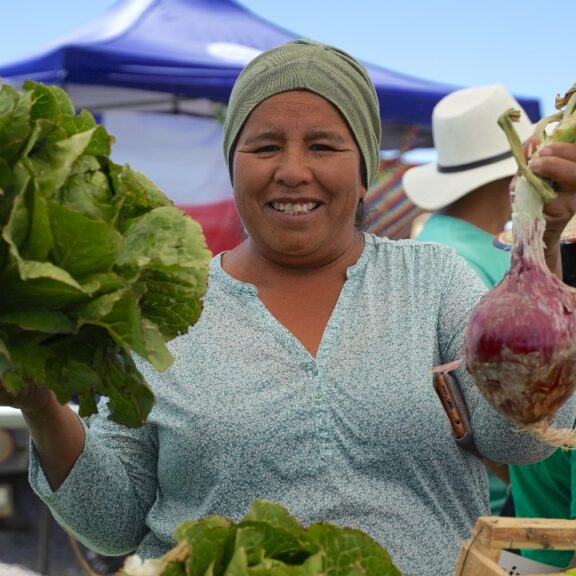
(523, 45)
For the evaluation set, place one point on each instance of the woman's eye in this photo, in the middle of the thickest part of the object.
(321, 148)
(268, 149)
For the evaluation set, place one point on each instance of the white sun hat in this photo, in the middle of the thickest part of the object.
(471, 149)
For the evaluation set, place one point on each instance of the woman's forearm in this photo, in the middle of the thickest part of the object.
(58, 436)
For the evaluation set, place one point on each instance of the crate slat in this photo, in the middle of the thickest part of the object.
(491, 534)
(475, 561)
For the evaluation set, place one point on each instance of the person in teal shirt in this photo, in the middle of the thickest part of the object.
(472, 243)
(467, 191)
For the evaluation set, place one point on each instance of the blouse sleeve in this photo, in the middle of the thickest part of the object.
(106, 497)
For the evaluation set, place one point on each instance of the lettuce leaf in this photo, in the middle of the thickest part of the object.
(268, 541)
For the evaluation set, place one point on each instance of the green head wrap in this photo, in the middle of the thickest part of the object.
(324, 70)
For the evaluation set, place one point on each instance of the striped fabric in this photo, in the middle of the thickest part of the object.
(389, 211)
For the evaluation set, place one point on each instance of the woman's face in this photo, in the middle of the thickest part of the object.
(297, 179)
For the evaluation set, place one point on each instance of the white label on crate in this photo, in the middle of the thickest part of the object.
(516, 565)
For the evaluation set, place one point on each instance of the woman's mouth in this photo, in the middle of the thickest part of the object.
(295, 208)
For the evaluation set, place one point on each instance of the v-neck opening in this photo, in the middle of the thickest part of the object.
(279, 330)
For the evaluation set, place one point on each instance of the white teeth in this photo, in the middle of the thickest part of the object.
(289, 208)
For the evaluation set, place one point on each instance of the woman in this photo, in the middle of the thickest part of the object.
(307, 379)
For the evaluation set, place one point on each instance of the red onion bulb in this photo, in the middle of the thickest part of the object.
(521, 341)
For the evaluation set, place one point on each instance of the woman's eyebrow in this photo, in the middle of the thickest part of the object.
(327, 135)
(263, 136)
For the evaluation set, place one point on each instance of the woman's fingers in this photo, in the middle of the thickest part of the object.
(31, 397)
(558, 163)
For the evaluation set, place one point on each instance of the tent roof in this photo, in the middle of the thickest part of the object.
(177, 54)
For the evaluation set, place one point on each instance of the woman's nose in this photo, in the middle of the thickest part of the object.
(293, 168)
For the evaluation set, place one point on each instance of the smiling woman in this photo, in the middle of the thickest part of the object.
(307, 381)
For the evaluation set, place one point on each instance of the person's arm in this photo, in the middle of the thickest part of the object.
(108, 476)
(107, 467)
(499, 470)
(58, 437)
(55, 430)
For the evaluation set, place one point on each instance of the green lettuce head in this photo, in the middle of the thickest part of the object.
(96, 263)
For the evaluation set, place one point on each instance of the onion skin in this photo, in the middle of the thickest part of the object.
(521, 342)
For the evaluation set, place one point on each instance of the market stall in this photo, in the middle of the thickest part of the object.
(158, 73)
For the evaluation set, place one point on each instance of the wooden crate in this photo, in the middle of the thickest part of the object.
(492, 534)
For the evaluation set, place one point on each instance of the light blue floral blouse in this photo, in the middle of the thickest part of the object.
(355, 436)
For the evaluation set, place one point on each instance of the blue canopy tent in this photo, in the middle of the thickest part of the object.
(161, 54)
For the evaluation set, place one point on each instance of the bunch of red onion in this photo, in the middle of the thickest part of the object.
(521, 337)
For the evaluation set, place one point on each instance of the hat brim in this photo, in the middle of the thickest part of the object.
(430, 189)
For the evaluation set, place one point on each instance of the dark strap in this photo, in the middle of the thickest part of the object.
(476, 164)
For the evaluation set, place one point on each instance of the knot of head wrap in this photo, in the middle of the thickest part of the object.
(319, 68)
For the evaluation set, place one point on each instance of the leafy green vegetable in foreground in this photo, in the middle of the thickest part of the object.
(95, 262)
(268, 541)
